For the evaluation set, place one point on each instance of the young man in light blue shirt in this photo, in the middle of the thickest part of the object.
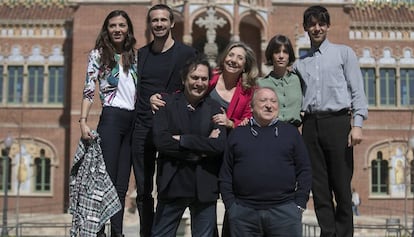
(335, 106)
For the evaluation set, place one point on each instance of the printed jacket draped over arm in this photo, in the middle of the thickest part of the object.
(92, 195)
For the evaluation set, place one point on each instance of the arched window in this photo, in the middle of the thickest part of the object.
(379, 175)
(42, 172)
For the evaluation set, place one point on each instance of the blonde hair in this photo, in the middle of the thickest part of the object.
(250, 72)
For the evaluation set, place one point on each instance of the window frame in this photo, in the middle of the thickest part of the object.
(378, 169)
(44, 173)
(34, 90)
(367, 79)
(26, 90)
(2, 181)
(406, 79)
(12, 84)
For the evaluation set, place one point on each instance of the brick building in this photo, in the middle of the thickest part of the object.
(43, 53)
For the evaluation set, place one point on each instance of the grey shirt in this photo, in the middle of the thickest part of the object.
(332, 81)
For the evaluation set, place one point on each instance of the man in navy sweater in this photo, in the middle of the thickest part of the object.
(266, 175)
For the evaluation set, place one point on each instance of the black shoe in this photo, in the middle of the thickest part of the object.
(101, 235)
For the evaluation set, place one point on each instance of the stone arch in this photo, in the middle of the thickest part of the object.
(16, 54)
(22, 153)
(398, 157)
(33, 146)
(250, 27)
(199, 34)
(407, 57)
(56, 55)
(36, 55)
(262, 23)
(50, 150)
(387, 147)
(220, 12)
(367, 56)
(178, 29)
(387, 56)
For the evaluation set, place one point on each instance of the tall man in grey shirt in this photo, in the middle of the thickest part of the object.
(335, 106)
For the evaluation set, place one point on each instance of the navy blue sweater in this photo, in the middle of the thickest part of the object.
(265, 166)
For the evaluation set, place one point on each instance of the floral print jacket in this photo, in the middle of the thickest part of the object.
(108, 78)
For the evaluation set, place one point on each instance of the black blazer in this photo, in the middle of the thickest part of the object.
(199, 151)
(181, 54)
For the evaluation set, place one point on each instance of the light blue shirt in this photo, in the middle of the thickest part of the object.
(332, 81)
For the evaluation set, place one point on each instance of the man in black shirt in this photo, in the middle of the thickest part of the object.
(159, 65)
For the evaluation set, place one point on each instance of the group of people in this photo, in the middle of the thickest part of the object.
(225, 131)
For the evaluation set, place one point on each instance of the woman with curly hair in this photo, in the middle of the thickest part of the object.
(232, 85)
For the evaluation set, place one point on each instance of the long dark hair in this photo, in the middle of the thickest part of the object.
(103, 43)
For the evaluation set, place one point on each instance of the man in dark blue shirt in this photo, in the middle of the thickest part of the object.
(266, 173)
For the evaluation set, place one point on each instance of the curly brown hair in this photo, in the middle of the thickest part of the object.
(250, 72)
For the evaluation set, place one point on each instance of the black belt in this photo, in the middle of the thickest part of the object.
(327, 114)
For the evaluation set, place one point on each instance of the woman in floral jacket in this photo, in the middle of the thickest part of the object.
(112, 64)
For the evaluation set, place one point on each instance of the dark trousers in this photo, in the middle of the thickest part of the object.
(225, 228)
(114, 128)
(279, 221)
(326, 137)
(143, 162)
(170, 212)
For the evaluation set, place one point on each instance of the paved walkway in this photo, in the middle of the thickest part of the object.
(131, 226)
(131, 222)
